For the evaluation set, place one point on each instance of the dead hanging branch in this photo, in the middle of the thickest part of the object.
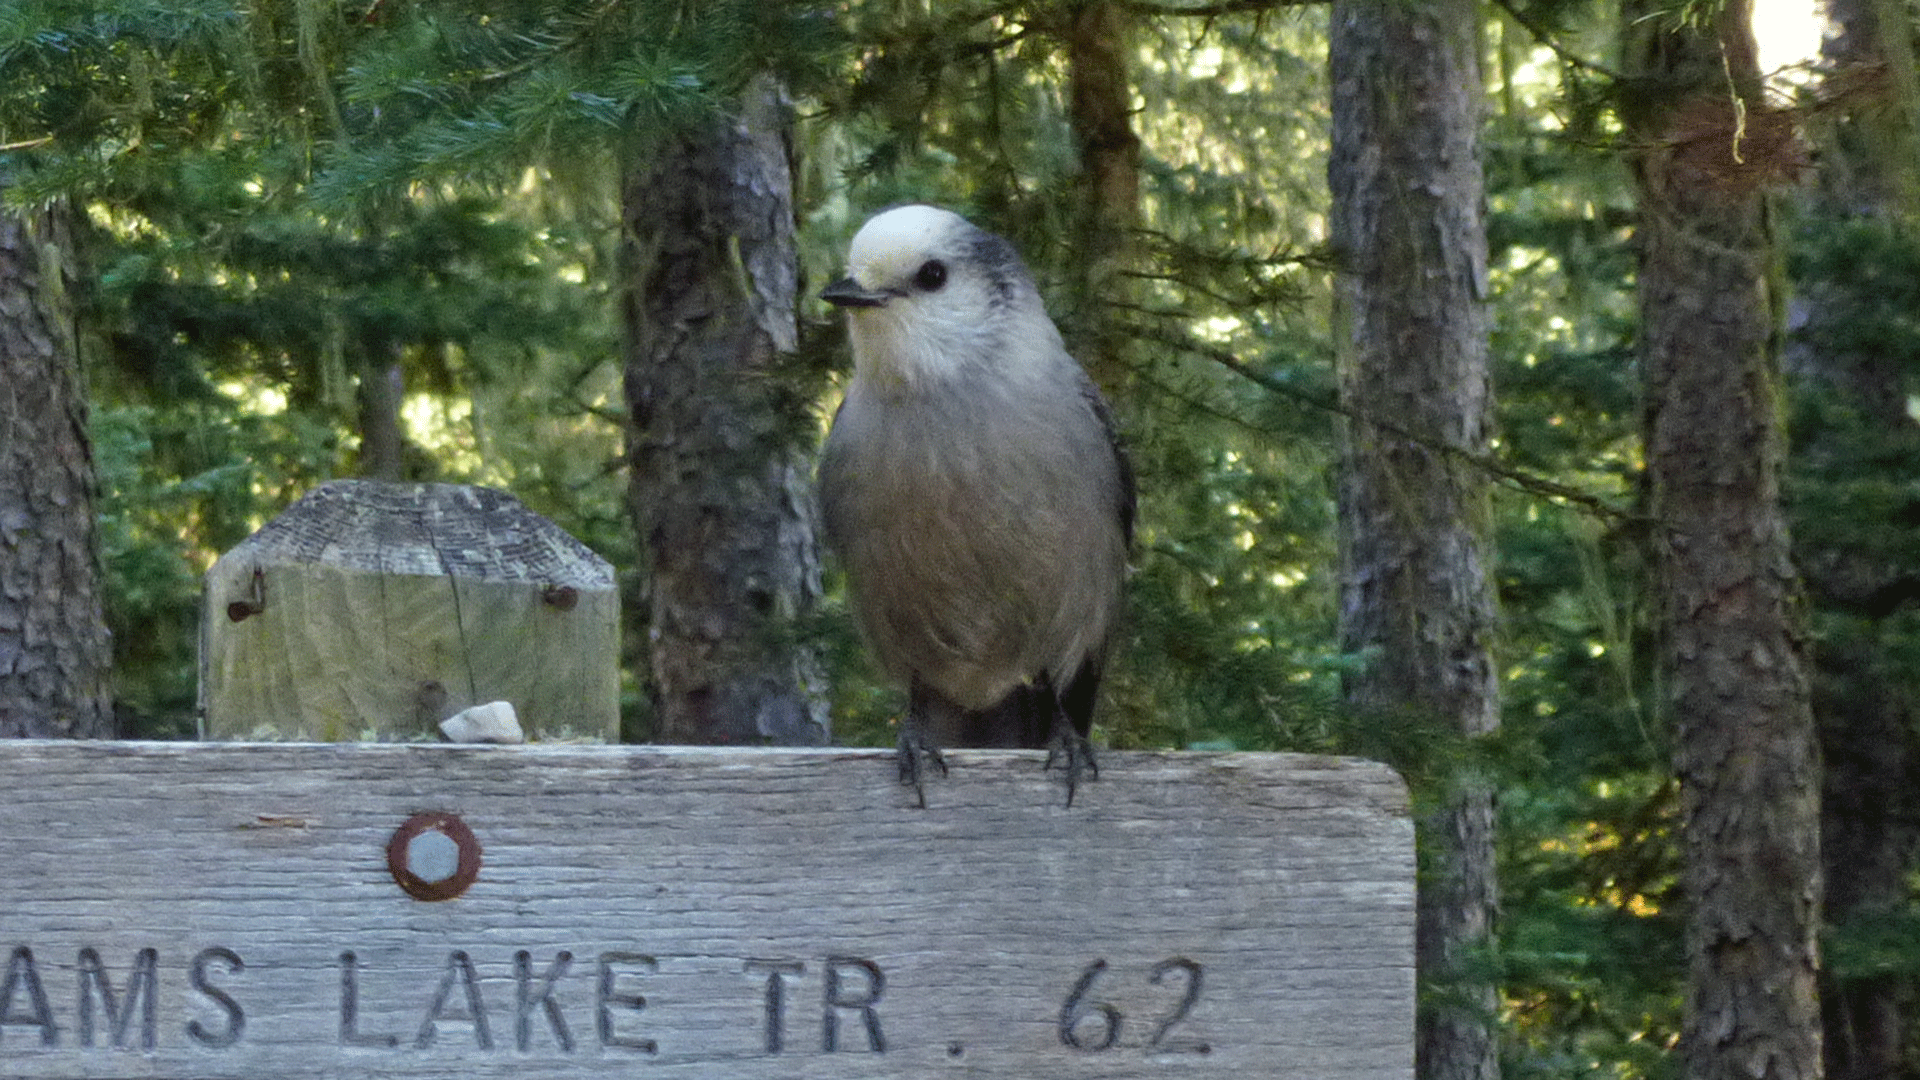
(1544, 36)
(1518, 479)
(1213, 10)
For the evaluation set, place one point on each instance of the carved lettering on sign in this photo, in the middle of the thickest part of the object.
(1077, 1008)
(776, 997)
(852, 983)
(143, 988)
(126, 1017)
(608, 997)
(1094, 1025)
(350, 1034)
(23, 979)
(459, 968)
(1139, 1006)
(1183, 1044)
(528, 997)
(236, 1019)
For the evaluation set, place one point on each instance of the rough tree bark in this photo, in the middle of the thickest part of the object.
(1100, 113)
(718, 436)
(383, 439)
(1734, 649)
(1865, 707)
(1416, 597)
(55, 654)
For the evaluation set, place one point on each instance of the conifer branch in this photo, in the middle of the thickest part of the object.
(1545, 37)
(1520, 479)
(1213, 10)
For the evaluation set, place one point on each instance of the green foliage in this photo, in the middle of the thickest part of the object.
(231, 318)
(285, 198)
(1591, 960)
(479, 93)
(1855, 503)
(178, 485)
(1231, 606)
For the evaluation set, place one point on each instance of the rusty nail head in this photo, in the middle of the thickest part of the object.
(434, 856)
(256, 601)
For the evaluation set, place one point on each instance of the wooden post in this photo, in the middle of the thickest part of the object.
(302, 911)
(377, 610)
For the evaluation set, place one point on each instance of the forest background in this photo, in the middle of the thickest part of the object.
(304, 239)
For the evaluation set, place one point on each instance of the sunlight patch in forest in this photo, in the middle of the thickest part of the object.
(255, 396)
(443, 426)
(1788, 32)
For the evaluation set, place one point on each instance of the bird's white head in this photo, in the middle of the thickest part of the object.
(929, 295)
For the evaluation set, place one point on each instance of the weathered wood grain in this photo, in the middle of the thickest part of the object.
(380, 609)
(726, 887)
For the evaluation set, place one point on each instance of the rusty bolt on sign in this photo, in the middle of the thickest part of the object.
(434, 856)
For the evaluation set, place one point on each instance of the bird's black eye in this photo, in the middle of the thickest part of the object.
(931, 275)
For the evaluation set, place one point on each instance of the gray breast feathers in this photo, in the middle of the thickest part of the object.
(984, 539)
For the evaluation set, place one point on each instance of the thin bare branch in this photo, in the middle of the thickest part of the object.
(1545, 37)
(1213, 10)
(1516, 478)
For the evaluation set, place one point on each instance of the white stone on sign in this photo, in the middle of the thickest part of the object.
(494, 722)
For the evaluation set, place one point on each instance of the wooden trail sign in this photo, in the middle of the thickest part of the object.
(362, 910)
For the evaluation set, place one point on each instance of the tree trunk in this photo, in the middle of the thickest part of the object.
(55, 654)
(1734, 650)
(1416, 599)
(1100, 113)
(1865, 706)
(383, 439)
(1866, 711)
(1871, 168)
(718, 434)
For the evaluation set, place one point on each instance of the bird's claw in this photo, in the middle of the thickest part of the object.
(1075, 755)
(915, 758)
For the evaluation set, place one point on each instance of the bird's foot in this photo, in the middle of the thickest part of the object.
(917, 758)
(1074, 754)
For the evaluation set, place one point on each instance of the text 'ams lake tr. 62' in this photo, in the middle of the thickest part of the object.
(244, 911)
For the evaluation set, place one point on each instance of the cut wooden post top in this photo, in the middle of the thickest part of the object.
(436, 530)
(379, 609)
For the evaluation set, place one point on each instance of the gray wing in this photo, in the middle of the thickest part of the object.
(1129, 496)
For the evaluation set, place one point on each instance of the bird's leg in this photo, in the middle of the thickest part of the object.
(916, 750)
(1070, 749)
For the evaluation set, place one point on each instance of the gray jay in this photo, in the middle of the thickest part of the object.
(975, 494)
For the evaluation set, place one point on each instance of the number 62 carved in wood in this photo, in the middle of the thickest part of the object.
(1093, 1025)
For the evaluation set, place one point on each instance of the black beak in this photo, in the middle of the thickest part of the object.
(847, 293)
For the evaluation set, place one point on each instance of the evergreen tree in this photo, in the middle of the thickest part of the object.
(280, 205)
(1416, 576)
(720, 448)
(689, 104)
(55, 655)
(1734, 649)
(1856, 536)
(240, 332)
(1591, 955)
(1096, 37)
